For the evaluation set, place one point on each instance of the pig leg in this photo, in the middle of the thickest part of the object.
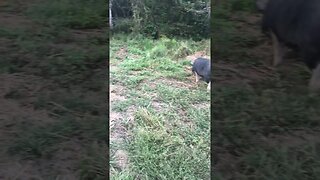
(209, 86)
(197, 77)
(314, 84)
(278, 50)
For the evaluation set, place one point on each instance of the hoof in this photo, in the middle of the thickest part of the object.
(209, 86)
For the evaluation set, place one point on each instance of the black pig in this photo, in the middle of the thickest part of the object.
(201, 67)
(295, 24)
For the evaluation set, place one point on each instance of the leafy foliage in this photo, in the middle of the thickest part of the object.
(168, 17)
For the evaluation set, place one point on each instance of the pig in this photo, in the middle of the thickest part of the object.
(294, 24)
(201, 67)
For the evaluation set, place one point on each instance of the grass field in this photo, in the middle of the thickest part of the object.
(267, 126)
(160, 118)
(53, 114)
(52, 69)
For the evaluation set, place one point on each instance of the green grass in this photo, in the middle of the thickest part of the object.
(73, 66)
(94, 166)
(78, 14)
(48, 58)
(299, 162)
(69, 68)
(265, 128)
(159, 147)
(39, 142)
(169, 121)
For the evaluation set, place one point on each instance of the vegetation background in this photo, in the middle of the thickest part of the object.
(160, 118)
(172, 18)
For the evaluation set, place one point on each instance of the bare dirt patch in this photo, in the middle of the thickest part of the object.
(122, 159)
(17, 95)
(175, 83)
(13, 21)
(122, 53)
(118, 132)
(196, 55)
(15, 113)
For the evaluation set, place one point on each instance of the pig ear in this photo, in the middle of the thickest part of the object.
(261, 4)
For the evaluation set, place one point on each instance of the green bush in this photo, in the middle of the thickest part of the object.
(124, 25)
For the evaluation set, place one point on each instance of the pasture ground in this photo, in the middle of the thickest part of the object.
(160, 118)
(53, 89)
(266, 124)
